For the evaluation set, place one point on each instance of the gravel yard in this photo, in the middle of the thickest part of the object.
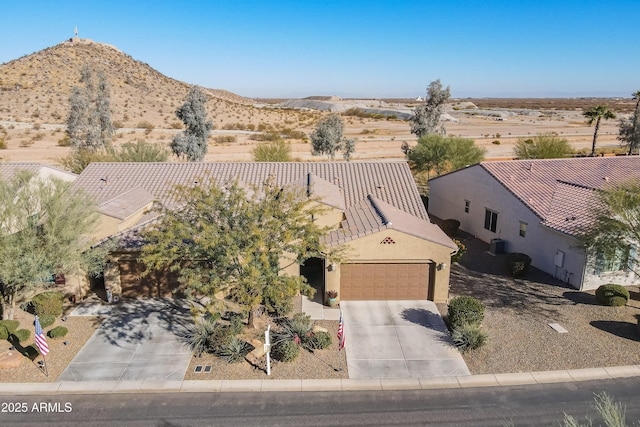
(519, 311)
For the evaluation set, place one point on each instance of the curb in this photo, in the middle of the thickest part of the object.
(368, 384)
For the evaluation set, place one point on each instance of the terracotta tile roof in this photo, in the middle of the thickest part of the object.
(374, 195)
(391, 182)
(557, 189)
(8, 170)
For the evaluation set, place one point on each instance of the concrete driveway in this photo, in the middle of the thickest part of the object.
(398, 339)
(138, 341)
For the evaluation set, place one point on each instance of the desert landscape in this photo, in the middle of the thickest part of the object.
(34, 93)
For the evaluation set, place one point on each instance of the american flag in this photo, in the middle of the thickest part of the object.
(41, 340)
(341, 338)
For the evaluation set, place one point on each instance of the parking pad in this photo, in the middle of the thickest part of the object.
(399, 339)
(139, 340)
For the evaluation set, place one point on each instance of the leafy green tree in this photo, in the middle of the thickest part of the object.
(273, 151)
(596, 114)
(237, 241)
(441, 154)
(44, 229)
(89, 123)
(629, 134)
(615, 232)
(426, 118)
(542, 146)
(328, 138)
(192, 143)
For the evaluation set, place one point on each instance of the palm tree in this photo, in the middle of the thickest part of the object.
(594, 115)
(636, 97)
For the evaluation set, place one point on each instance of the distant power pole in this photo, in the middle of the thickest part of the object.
(75, 30)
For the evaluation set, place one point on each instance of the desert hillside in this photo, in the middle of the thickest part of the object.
(34, 93)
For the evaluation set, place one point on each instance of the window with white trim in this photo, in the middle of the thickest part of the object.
(467, 205)
(490, 220)
(523, 229)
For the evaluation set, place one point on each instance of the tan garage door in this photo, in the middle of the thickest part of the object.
(384, 281)
(154, 285)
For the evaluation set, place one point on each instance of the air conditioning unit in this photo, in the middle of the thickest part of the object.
(496, 247)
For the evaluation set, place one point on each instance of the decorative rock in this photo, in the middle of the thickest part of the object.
(10, 359)
(315, 329)
(258, 351)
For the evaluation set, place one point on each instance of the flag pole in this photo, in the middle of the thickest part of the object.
(45, 369)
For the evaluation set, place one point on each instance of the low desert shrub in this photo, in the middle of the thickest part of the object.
(198, 336)
(46, 320)
(286, 351)
(462, 249)
(7, 327)
(48, 303)
(450, 226)
(58, 332)
(612, 295)
(319, 341)
(235, 350)
(65, 141)
(20, 335)
(518, 263)
(465, 310)
(3, 144)
(469, 337)
(296, 329)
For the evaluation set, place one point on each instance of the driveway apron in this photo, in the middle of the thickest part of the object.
(139, 340)
(398, 339)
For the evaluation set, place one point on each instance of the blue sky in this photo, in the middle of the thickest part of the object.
(355, 48)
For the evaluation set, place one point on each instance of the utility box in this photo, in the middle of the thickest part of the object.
(496, 247)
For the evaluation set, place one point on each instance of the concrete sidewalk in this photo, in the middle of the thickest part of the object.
(469, 381)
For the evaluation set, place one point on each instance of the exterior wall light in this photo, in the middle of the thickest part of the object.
(441, 266)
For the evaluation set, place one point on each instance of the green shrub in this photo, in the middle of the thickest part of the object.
(465, 310)
(235, 350)
(236, 324)
(46, 320)
(450, 226)
(3, 144)
(58, 332)
(297, 328)
(20, 335)
(7, 327)
(48, 303)
(518, 264)
(286, 351)
(496, 142)
(319, 341)
(462, 249)
(469, 337)
(198, 336)
(612, 295)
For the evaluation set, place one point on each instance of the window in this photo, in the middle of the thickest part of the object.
(523, 229)
(616, 260)
(467, 205)
(490, 220)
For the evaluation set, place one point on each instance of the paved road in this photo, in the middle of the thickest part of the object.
(536, 405)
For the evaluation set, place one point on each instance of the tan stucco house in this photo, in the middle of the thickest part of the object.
(394, 251)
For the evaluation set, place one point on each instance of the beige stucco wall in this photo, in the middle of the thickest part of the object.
(108, 225)
(329, 217)
(407, 249)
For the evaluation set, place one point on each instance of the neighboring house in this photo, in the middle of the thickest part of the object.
(395, 252)
(538, 207)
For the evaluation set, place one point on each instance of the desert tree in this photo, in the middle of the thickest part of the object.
(596, 114)
(629, 134)
(273, 151)
(192, 142)
(542, 146)
(327, 138)
(615, 231)
(426, 117)
(140, 151)
(45, 226)
(89, 125)
(441, 154)
(237, 239)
